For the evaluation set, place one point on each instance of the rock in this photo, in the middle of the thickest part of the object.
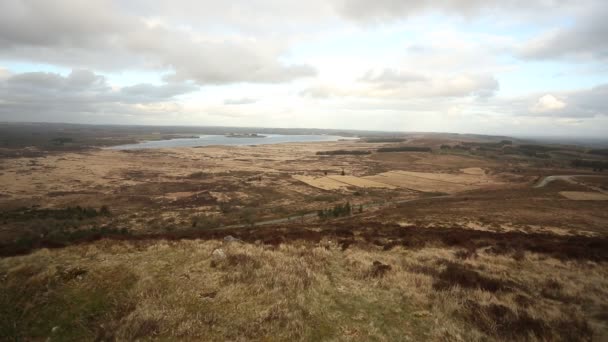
(422, 313)
(208, 295)
(231, 238)
(71, 273)
(218, 254)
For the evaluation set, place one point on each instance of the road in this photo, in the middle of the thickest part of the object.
(313, 215)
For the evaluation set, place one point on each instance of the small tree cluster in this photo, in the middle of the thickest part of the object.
(338, 210)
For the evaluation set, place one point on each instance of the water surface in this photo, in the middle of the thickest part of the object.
(207, 140)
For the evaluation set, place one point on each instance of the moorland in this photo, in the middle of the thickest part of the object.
(393, 236)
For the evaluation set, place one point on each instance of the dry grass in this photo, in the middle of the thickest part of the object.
(297, 291)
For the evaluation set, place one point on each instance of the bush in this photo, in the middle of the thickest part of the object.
(338, 210)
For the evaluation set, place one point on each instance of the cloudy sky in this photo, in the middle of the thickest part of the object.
(519, 67)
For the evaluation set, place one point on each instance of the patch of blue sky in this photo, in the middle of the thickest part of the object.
(546, 76)
(132, 77)
(24, 67)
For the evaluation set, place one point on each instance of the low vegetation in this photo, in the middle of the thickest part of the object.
(599, 152)
(58, 238)
(265, 243)
(595, 164)
(295, 290)
(405, 149)
(77, 212)
(385, 140)
(343, 152)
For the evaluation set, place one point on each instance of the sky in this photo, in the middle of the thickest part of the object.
(509, 67)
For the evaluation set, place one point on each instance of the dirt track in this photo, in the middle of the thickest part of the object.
(570, 179)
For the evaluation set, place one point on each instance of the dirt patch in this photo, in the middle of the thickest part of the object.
(323, 183)
(584, 196)
(340, 182)
(360, 182)
(473, 171)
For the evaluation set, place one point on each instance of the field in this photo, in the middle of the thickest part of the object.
(475, 240)
(339, 182)
(433, 182)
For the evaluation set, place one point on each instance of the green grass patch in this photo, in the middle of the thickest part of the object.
(67, 305)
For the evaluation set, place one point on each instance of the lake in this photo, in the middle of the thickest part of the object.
(207, 140)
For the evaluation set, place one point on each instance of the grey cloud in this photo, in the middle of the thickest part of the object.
(96, 34)
(223, 63)
(380, 10)
(42, 96)
(146, 93)
(586, 38)
(60, 22)
(585, 103)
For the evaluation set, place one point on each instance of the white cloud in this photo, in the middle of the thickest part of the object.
(547, 103)
(395, 84)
